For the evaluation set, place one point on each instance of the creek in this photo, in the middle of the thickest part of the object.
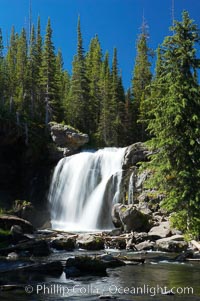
(143, 282)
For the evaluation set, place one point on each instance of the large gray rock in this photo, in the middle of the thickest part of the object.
(87, 265)
(90, 242)
(66, 141)
(65, 136)
(135, 153)
(145, 245)
(115, 214)
(161, 231)
(130, 218)
(64, 243)
(174, 243)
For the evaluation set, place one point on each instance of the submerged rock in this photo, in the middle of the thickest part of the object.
(87, 265)
(83, 265)
(111, 261)
(54, 268)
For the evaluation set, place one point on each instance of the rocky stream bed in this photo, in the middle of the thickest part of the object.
(106, 265)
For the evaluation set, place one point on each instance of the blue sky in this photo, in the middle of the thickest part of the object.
(117, 23)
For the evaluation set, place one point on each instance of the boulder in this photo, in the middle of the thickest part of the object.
(64, 243)
(174, 244)
(12, 256)
(134, 220)
(52, 268)
(139, 237)
(134, 154)
(7, 221)
(66, 136)
(71, 272)
(40, 249)
(115, 214)
(17, 233)
(32, 247)
(131, 217)
(111, 261)
(145, 245)
(87, 265)
(90, 242)
(115, 242)
(161, 231)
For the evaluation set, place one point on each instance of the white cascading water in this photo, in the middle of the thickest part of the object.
(84, 187)
(131, 188)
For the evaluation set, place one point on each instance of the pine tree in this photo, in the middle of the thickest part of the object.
(32, 73)
(104, 133)
(93, 74)
(11, 59)
(48, 80)
(141, 79)
(62, 82)
(2, 70)
(128, 118)
(117, 105)
(77, 104)
(175, 125)
(21, 73)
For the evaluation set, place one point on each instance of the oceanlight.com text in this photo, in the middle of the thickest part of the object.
(146, 289)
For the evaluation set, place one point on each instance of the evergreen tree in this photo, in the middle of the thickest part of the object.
(2, 71)
(128, 118)
(174, 123)
(21, 73)
(77, 104)
(104, 133)
(141, 79)
(11, 59)
(62, 81)
(48, 78)
(117, 105)
(32, 72)
(93, 74)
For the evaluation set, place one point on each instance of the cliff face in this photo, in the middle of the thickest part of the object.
(26, 169)
(22, 176)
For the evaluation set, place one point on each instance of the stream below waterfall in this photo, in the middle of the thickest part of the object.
(158, 272)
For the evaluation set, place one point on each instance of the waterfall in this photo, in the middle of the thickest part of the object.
(84, 187)
(131, 188)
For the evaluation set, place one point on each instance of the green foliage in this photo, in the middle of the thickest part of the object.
(175, 126)
(4, 232)
(141, 80)
(78, 94)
